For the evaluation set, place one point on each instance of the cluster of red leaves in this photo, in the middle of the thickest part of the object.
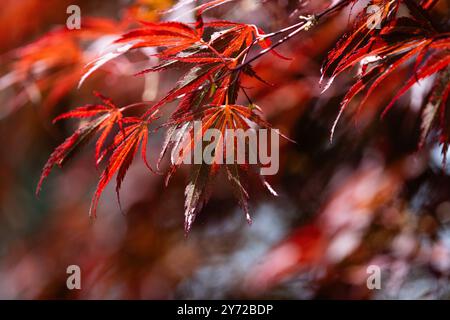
(54, 63)
(400, 42)
(122, 150)
(216, 56)
(215, 52)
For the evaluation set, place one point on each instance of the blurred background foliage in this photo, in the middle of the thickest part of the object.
(369, 198)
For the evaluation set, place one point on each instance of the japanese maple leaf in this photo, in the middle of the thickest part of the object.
(394, 47)
(173, 37)
(106, 115)
(182, 136)
(207, 92)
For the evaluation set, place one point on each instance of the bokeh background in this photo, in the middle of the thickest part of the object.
(369, 198)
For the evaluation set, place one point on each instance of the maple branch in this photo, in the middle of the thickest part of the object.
(304, 26)
(217, 53)
(307, 23)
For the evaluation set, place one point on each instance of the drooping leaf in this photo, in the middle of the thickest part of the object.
(124, 149)
(402, 42)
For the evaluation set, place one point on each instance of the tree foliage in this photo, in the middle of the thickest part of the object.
(217, 57)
